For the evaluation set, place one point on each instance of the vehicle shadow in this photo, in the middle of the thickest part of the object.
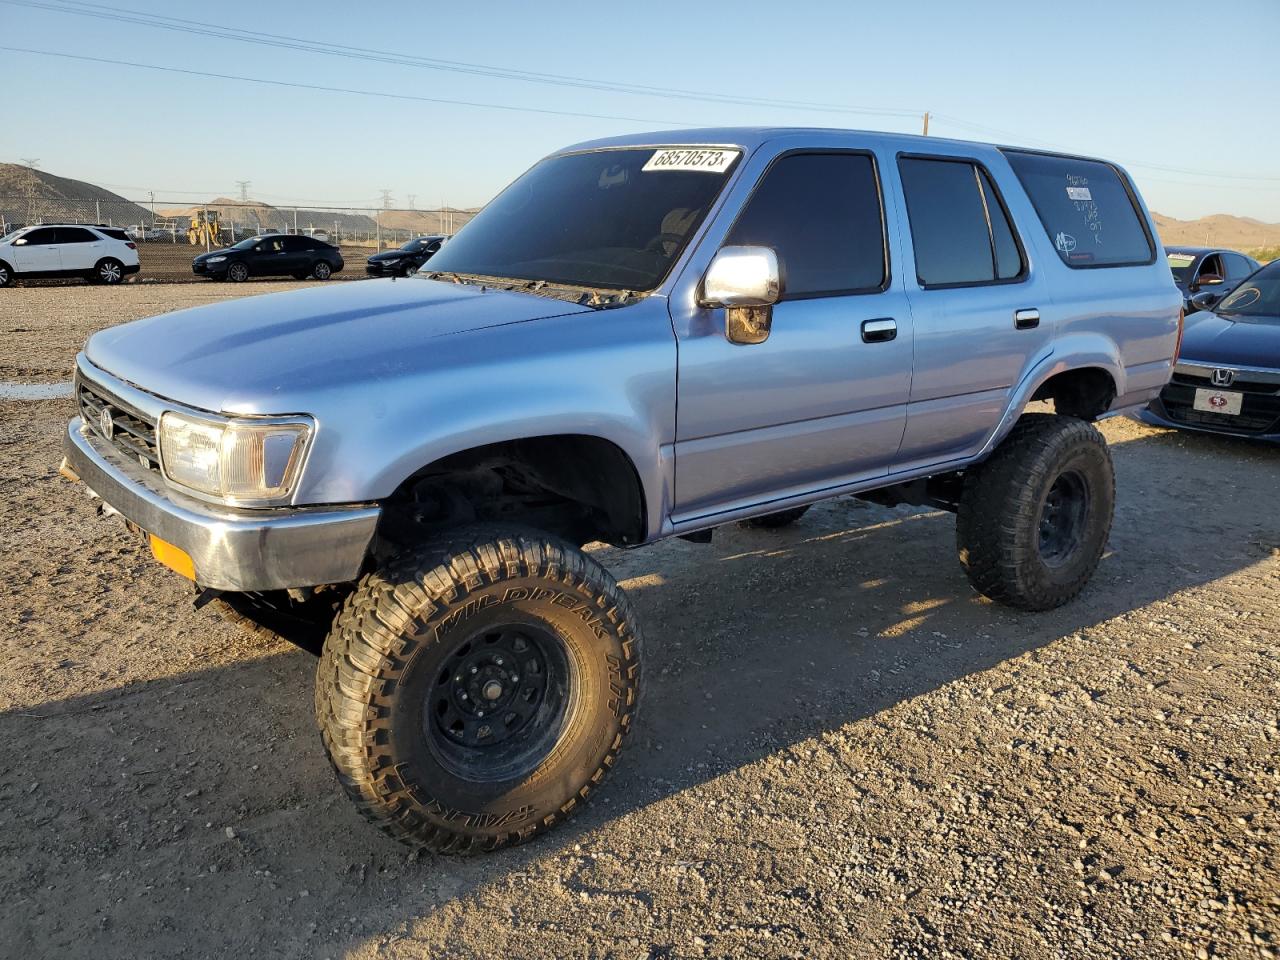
(197, 815)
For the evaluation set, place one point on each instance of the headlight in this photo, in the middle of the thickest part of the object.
(215, 259)
(250, 462)
(391, 261)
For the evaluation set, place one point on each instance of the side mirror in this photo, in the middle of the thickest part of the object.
(1205, 300)
(745, 281)
(20, 242)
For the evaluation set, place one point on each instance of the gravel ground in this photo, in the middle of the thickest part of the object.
(843, 752)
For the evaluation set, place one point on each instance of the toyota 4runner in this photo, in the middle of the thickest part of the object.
(641, 337)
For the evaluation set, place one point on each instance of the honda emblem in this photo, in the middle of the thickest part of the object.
(1222, 377)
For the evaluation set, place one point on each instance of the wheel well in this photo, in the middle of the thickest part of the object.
(1086, 393)
(578, 487)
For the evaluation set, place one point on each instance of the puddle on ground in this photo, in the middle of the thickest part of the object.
(34, 391)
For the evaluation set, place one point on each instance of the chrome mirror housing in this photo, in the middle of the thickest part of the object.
(742, 277)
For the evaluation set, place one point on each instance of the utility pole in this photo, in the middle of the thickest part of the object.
(244, 188)
(926, 123)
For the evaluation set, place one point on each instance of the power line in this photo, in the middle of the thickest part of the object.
(202, 28)
(297, 85)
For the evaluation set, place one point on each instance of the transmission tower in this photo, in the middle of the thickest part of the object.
(412, 198)
(244, 188)
(30, 163)
(386, 199)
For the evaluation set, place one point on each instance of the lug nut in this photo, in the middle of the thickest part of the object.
(474, 671)
(498, 661)
(479, 713)
(462, 696)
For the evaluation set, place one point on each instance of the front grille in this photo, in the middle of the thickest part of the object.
(1259, 408)
(132, 432)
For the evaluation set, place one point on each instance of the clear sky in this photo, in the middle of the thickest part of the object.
(1190, 87)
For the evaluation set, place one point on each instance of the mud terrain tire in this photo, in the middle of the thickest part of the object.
(1033, 519)
(474, 693)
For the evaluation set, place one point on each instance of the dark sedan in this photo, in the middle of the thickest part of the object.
(405, 260)
(273, 255)
(1227, 378)
(1207, 270)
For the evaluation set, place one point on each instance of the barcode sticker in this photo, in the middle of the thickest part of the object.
(1079, 193)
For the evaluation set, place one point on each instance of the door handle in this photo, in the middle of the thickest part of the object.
(879, 331)
(1027, 319)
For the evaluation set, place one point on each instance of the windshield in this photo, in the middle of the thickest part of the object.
(246, 244)
(1180, 264)
(11, 234)
(1257, 299)
(609, 219)
(413, 246)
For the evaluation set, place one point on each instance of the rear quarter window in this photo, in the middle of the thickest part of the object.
(1086, 208)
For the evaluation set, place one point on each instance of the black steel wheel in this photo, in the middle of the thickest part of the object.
(475, 692)
(1063, 517)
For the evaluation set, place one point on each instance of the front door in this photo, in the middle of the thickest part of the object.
(822, 401)
(37, 251)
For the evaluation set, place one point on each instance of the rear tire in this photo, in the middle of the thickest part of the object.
(475, 692)
(1034, 518)
(772, 521)
(108, 271)
(238, 272)
(322, 270)
(6, 275)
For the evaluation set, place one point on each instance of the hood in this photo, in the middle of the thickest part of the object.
(258, 354)
(1225, 341)
(392, 255)
(221, 252)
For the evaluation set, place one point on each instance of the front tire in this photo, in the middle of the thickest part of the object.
(238, 272)
(6, 274)
(1034, 518)
(476, 692)
(109, 272)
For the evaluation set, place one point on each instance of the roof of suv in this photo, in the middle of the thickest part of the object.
(752, 137)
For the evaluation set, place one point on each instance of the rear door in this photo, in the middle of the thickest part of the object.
(298, 256)
(982, 314)
(37, 251)
(80, 249)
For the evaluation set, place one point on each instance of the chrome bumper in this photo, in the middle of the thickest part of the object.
(230, 549)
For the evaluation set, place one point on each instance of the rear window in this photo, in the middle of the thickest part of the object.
(1086, 208)
(114, 234)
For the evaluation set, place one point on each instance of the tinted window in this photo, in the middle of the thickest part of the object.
(821, 215)
(115, 234)
(959, 227)
(75, 235)
(1238, 267)
(296, 244)
(42, 236)
(1086, 210)
(1008, 255)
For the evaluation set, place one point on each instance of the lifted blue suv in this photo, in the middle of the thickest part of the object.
(641, 337)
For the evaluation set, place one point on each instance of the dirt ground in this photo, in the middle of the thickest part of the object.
(843, 752)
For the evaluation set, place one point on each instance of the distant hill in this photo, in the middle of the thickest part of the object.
(28, 195)
(254, 215)
(1218, 230)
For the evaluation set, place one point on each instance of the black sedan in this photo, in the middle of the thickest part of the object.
(406, 259)
(272, 255)
(1227, 377)
(1207, 269)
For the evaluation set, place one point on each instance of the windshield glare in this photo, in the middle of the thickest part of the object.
(597, 220)
(1257, 299)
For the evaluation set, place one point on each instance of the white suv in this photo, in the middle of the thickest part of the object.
(99, 254)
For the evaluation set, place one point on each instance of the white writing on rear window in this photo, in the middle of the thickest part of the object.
(707, 160)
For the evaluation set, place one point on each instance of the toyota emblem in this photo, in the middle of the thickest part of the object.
(1222, 377)
(105, 423)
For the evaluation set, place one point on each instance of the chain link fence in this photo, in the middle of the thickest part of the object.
(169, 235)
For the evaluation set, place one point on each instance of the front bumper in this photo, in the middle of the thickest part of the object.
(1155, 415)
(229, 549)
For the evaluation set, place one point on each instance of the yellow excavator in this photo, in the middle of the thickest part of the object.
(204, 228)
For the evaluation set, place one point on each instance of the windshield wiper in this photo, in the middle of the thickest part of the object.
(595, 297)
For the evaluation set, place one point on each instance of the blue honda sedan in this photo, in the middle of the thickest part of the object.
(1227, 378)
